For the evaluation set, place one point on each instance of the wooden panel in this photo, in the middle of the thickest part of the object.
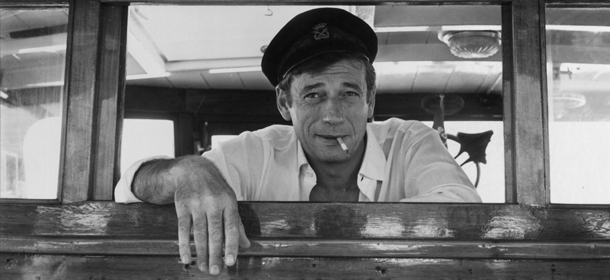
(232, 102)
(34, 3)
(324, 221)
(369, 240)
(81, 81)
(528, 129)
(278, 247)
(154, 99)
(305, 2)
(408, 106)
(576, 3)
(110, 105)
(184, 134)
(22, 266)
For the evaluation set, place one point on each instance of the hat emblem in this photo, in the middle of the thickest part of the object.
(320, 31)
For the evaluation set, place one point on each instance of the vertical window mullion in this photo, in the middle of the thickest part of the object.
(78, 163)
(528, 128)
(110, 90)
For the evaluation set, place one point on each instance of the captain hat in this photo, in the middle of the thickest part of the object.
(316, 32)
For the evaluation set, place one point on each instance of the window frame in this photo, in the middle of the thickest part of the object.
(90, 157)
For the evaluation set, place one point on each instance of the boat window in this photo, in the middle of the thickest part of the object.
(578, 73)
(32, 64)
(207, 60)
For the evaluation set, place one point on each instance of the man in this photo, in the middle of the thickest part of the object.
(321, 66)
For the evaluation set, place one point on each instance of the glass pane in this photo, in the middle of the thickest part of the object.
(578, 49)
(32, 49)
(136, 141)
(424, 52)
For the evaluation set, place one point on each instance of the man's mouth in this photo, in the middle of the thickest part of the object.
(331, 137)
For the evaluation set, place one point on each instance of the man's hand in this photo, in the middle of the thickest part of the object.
(206, 204)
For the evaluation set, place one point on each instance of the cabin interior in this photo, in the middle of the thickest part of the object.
(89, 87)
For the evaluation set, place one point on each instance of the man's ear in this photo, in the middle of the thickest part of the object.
(371, 108)
(282, 103)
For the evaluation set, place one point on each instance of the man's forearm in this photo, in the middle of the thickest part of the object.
(152, 184)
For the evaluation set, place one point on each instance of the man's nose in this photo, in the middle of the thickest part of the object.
(332, 111)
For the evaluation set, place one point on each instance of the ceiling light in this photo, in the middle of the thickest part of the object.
(471, 44)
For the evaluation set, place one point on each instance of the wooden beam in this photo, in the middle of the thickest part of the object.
(184, 130)
(307, 248)
(302, 2)
(25, 266)
(322, 221)
(34, 3)
(529, 165)
(397, 240)
(81, 80)
(110, 92)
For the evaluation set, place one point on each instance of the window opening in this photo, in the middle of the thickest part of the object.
(32, 67)
(424, 52)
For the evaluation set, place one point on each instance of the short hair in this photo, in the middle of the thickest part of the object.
(324, 61)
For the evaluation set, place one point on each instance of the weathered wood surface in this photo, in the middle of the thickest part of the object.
(321, 229)
(81, 79)
(319, 247)
(20, 266)
(302, 2)
(104, 240)
(527, 113)
(464, 222)
(578, 3)
(34, 3)
(110, 91)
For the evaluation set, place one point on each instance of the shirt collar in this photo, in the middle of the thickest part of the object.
(373, 164)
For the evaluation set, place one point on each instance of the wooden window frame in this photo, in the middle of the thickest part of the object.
(525, 235)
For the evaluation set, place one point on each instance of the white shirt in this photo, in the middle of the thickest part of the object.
(403, 161)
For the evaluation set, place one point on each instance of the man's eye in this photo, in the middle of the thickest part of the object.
(311, 96)
(352, 94)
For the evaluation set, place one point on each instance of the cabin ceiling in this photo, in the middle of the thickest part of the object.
(193, 43)
(199, 46)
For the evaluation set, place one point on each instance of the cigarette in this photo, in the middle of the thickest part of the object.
(343, 146)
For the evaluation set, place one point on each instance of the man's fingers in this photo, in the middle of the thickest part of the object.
(244, 242)
(215, 239)
(184, 236)
(200, 233)
(231, 227)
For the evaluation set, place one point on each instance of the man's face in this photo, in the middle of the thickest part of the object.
(328, 105)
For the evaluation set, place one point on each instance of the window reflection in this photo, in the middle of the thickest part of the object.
(578, 50)
(32, 50)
